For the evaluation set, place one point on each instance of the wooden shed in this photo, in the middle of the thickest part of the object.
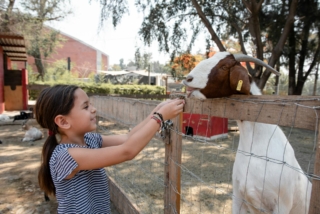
(13, 81)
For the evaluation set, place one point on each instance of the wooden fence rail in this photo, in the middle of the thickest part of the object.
(293, 111)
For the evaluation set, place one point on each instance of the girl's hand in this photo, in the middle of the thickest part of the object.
(171, 109)
(161, 104)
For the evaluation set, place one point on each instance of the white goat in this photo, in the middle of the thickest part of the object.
(32, 133)
(259, 186)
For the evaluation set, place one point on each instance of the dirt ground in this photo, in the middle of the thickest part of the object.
(19, 163)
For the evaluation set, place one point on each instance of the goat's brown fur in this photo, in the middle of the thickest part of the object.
(224, 77)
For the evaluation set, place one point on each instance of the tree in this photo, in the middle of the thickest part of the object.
(183, 64)
(303, 48)
(41, 42)
(282, 85)
(147, 60)
(138, 60)
(116, 67)
(122, 65)
(266, 25)
(142, 61)
(157, 67)
(41, 46)
(12, 20)
(5, 16)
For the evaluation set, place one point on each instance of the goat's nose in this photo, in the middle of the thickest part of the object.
(189, 78)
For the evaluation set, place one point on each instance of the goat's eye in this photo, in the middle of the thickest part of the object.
(224, 67)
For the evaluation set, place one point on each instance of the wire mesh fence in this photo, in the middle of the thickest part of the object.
(192, 173)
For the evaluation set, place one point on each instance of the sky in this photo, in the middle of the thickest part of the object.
(118, 43)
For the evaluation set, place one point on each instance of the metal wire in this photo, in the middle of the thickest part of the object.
(152, 154)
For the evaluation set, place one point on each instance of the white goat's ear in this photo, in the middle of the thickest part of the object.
(239, 80)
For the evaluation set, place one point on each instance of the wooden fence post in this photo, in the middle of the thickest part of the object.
(172, 170)
(315, 194)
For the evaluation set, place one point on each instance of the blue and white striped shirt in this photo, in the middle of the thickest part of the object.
(87, 191)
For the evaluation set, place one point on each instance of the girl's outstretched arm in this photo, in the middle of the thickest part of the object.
(97, 158)
(114, 140)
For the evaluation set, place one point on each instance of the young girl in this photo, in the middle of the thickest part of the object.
(72, 169)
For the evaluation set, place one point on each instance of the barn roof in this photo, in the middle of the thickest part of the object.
(13, 46)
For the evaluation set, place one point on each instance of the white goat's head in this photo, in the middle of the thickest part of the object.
(221, 75)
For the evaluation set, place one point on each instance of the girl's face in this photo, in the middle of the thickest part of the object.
(82, 116)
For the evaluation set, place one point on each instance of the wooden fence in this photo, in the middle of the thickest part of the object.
(292, 111)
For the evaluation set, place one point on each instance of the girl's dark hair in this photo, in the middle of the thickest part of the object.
(52, 101)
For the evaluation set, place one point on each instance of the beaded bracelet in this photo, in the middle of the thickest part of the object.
(158, 120)
(160, 115)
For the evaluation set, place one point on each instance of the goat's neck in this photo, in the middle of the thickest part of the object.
(256, 136)
(254, 89)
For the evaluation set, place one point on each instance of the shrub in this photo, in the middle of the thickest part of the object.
(104, 88)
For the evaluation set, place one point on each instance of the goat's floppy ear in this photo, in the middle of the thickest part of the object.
(239, 80)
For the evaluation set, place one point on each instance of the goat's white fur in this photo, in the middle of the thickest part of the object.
(254, 89)
(268, 185)
(203, 69)
(197, 94)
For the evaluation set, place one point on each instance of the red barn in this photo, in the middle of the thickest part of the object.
(82, 58)
(205, 126)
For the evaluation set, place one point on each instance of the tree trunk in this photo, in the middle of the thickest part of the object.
(6, 22)
(292, 60)
(315, 82)
(254, 8)
(38, 62)
(276, 83)
(277, 51)
(299, 86)
(302, 74)
(206, 22)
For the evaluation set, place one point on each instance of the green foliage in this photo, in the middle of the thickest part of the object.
(142, 61)
(156, 67)
(116, 67)
(58, 72)
(282, 85)
(137, 58)
(105, 88)
(40, 42)
(99, 78)
(309, 87)
(121, 64)
(32, 77)
(266, 30)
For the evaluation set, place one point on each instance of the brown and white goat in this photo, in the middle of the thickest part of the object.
(259, 186)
